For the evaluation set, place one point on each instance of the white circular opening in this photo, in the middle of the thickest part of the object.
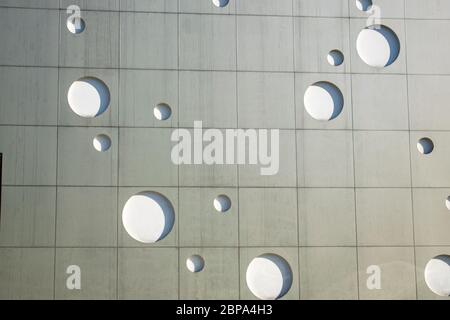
(222, 203)
(75, 25)
(447, 202)
(437, 275)
(148, 217)
(364, 5)
(88, 97)
(269, 277)
(335, 58)
(101, 142)
(220, 3)
(323, 101)
(195, 263)
(425, 146)
(378, 46)
(162, 111)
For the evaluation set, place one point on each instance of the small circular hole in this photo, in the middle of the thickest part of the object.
(364, 5)
(222, 203)
(101, 143)
(195, 263)
(162, 111)
(75, 25)
(425, 146)
(335, 58)
(220, 3)
(447, 202)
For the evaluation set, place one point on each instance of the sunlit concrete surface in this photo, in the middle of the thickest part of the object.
(93, 207)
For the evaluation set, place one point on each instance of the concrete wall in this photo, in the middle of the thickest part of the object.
(351, 192)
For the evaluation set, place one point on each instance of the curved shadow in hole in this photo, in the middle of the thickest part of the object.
(335, 58)
(438, 282)
(167, 209)
(76, 91)
(220, 3)
(102, 142)
(197, 261)
(364, 5)
(222, 203)
(136, 211)
(392, 40)
(102, 90)
(425, 146)
(285, 269)
(336, 96)
(162, 111)
(75, 25)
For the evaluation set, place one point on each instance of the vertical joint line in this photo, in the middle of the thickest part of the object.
(409, 148)
(350, 74)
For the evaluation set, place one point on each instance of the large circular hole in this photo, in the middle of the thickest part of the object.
(335, 58)
(220, 3)
(323, 101)
(101, 142)
(378, 46)
(162, 111)
(88, 97)
(364, 5)
(437, 275)
(222, 203)
(195, 263)
(75, 25)
(425, 146)
(269, 277)
(148, 217)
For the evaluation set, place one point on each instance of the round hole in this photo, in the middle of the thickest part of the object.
(323, 101)
(447, 202)
(195, 263)
(335, 58)
(162, 111)
(437, 275)
(425, 146)
(220, 3)
(101, 142)
(75, 25)
(364, 5)
(88, 97)
(222, 203)
(148, 217)
(378, 46)
(269, 277)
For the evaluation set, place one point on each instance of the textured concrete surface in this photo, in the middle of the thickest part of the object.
(351, 193)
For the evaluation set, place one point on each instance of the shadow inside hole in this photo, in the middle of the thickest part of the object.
(102, 142)
(364, 5)
(222, 203)
(335, 58)
(392, 40)
(162, 111)
(336, 96)
(75, 25)
(437, 275)
(285, 270)
(195, 263)
(425, 146)
(141, 217)
(102, 91)
(220, 3)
